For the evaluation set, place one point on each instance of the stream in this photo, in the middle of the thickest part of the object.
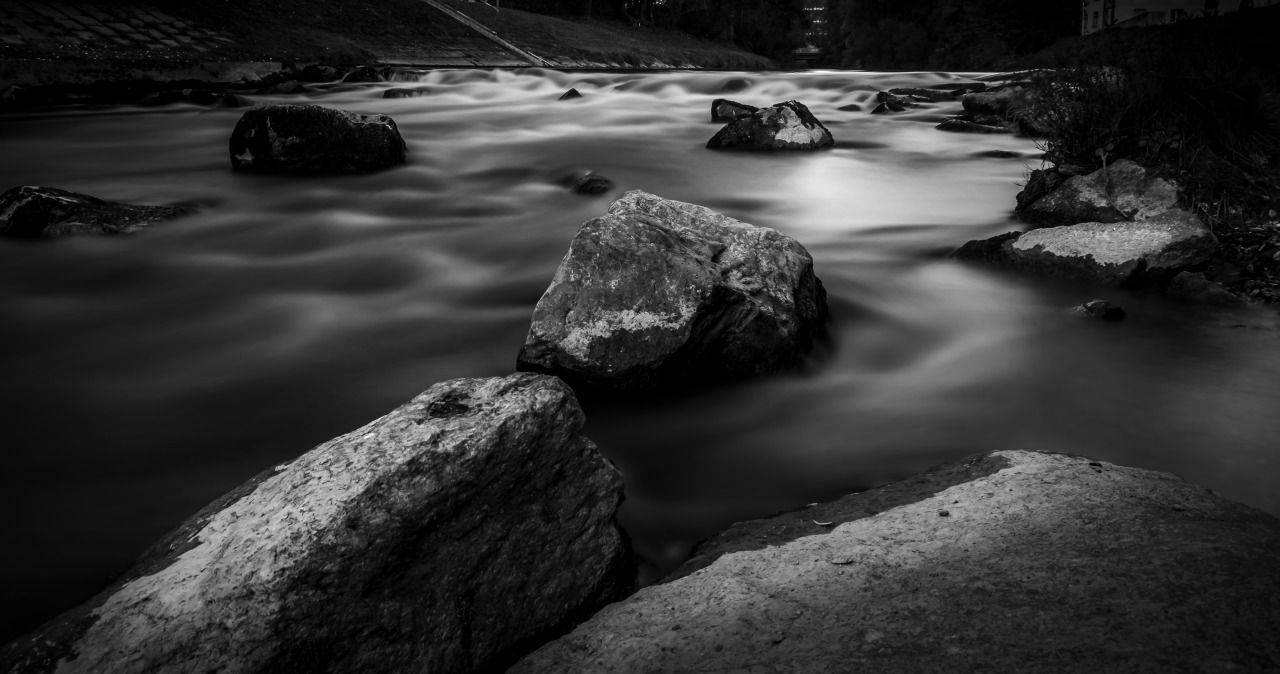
(143, 376)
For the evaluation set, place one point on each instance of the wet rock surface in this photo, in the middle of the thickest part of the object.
(660, 294)
(1121, 191)
(310, 139)
(782, 126)
(1008, 561)
(447, 535)
(725, 110)
(49, 212)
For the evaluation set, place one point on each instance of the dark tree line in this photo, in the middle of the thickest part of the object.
(769, 27)
(944, 34)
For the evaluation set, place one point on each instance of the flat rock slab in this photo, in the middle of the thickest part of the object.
(446, 536)
(1011, 561)
(49, 212)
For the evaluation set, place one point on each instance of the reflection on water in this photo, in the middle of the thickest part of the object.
(144, 376)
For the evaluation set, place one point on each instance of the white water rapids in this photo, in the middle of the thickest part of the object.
(142, 376)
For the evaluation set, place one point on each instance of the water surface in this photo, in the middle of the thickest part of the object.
(143, 376)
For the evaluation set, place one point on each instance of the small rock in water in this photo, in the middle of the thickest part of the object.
(588, 183)
(734, 85)
(961, 125)
(1102, 309)
(569, 95)
(365, 74)
(401, 92)
(852, 107)
(31, 212)
(782, 126)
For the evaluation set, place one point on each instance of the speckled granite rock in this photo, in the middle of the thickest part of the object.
(782, 126)
(1122, 191)
(309, 139)
(445, 536)
(29, 211)
(1011, 561)
(657, 294)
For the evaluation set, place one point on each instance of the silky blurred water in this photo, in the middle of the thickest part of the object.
(140, 377)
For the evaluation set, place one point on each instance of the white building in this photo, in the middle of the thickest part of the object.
(1096, 15)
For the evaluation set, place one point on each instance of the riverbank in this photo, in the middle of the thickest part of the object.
(62, 41)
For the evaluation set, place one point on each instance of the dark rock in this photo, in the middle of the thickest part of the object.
(960, 125)
(782, 126)
(309, 139)
(287, 87)
(587, 183)
(1121, 191)
(887, 103)
(1046, 563)
(1039, 183)
(1100, 309)
(50, 212)
(444, 536)
(569, 95)
(724, 110)
(233, 100)
(852, 107)
(660, 294)
(1116, 253)
(996, 101)
(401, 92)
(365, 75)
(735, 84)
(931, 95)
(1194, 287)
(319, 73)
(997, 154)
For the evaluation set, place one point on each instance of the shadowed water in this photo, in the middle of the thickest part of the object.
(140, 377)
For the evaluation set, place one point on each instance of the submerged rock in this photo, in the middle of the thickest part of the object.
(1107, 252)
(405, 92)
(658, 294)
(588, 183)
(961, 125)
(1121, 191)
(312, 139)
(725, 110)
(1101, 309)
(782, 126)
(29, 211)
(569, 95)
(1194, 287)
(442, 537)
(1010, 561)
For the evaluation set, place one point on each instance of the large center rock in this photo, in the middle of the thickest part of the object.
(1012, 561)
(29, 211)
(1120, 191)
(310, 139)
(782, 126)
(443, 537)
(660, 293)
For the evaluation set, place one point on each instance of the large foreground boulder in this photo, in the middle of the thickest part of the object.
(29, 211)
(1120, 191)
(1115, 253)
(446, 536)
(310, 139)
(782, 126)
(1011, 561)
(658, 294)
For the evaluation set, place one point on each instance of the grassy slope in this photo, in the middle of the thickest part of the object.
(609, 42)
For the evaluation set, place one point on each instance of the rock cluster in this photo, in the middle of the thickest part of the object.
(444, 536)
(1121, 226)
(658, 294)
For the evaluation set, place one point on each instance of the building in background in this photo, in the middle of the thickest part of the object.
(1096, 15)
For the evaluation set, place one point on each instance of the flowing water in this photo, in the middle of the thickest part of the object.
(140, 377)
